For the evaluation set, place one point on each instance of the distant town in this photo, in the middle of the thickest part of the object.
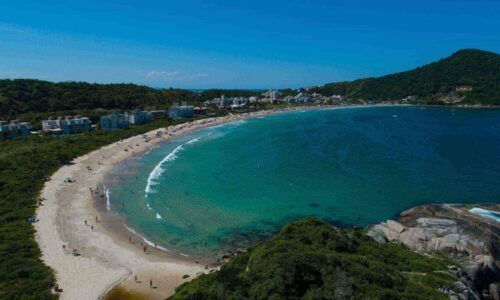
(76, 124)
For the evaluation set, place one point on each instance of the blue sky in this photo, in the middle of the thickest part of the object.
(228, 44)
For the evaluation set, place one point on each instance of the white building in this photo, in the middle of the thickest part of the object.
(67, 125)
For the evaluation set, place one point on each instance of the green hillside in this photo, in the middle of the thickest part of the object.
(433, 82)
(22, 96)
(310, 259)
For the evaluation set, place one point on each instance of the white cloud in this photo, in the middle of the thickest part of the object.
(162, 75)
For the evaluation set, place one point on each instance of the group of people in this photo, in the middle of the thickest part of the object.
(150, 282)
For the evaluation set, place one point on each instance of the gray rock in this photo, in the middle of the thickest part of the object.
(495, 291)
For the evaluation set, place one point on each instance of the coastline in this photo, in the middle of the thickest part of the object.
(104, 259)
(107, 259)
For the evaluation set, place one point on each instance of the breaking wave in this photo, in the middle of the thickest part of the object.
(494, 215)
(144, 239)
(108, 201)
(158, 170)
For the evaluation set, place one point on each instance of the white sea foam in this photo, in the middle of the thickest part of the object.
(158, 216)
(144, 239)
(158, 170)
(108, 202)
(494, 215)
(193, 141)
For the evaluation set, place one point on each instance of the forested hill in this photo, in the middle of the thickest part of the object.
(26, 95)
(432, 83)
(310, 259)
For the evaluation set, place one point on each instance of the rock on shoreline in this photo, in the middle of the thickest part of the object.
(473, 239)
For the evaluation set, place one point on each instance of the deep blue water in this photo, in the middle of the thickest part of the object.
(234, 184)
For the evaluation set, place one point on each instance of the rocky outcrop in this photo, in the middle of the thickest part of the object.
(473, 239)
(430, 235)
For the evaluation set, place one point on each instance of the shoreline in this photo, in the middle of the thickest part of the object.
(107, 258)
(102, 260)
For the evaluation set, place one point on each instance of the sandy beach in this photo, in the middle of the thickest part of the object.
(87, 258)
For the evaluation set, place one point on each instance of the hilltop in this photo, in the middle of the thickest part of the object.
(311, 259)
(468, 76)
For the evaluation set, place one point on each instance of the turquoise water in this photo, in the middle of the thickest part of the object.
(235, 184)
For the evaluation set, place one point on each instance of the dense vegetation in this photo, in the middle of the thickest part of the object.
(25, 164)
(310, 259)
(476, 68)
(26, 95)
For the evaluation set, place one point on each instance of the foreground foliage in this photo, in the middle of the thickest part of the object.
(25, 164)
(310, 259)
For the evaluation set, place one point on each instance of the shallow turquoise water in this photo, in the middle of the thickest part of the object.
(237, 183)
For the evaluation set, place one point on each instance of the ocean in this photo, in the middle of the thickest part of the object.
(233, 185)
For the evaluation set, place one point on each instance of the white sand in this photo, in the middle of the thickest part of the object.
(105, 261)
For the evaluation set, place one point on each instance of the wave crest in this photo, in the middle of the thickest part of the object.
(158, 170)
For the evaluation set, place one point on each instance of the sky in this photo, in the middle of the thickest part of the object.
(235, 44)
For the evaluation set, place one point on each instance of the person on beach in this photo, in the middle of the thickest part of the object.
(96, 219)
(150, 283)
(135, 278)
(130, 240)
(92, 228)
(85, 222)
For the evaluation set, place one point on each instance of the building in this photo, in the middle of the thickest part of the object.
(253, 99)
(272, 94)
(159, 114)
(181, 111)
(115, 121)
(463, 88)
(224, 101)
(337, 98)
(14, 129)
(67, 125)
(137, 117)
(290, 99)
(409, 99)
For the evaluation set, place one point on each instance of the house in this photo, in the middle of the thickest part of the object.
(14, 129)
(67, 125)
(137, 117)
(463, 88)
(409, 99)
(115, 121)
(181, 111)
